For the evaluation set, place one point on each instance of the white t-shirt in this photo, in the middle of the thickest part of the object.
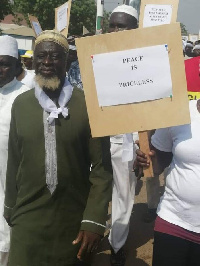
(180, 204)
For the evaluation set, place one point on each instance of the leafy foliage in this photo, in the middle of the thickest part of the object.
(83, 12)
(184, 31)
(5, 8)
(106, 21)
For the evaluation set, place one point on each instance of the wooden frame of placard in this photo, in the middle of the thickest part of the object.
(33, 19)
(144, 136)
(174, 3)
(113, 120)
(65, 31)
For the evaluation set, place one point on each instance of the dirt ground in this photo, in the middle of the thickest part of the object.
(139, 245)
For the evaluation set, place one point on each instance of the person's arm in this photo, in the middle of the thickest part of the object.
(95, 215)
(12, 169)
(161, 153)
(160, 160)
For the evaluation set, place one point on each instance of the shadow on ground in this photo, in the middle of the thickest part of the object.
(140, 233)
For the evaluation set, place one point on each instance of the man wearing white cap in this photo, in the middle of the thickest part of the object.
(10, 88)
(136, 4)
(122, 152)
(123, 18)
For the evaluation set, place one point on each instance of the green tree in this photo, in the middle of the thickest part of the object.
(184, 31)
(106, 21)
(5, 9)
(83, 12)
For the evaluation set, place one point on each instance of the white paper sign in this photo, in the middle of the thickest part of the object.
(62, 17)
(36, 27)
(155, 15)
(132, 76)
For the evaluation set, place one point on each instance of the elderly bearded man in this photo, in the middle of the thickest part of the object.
(10, 88)
(56, 206)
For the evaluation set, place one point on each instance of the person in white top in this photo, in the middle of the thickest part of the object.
(177, 227)
(123, 17)
(10, 88)
(27, 77)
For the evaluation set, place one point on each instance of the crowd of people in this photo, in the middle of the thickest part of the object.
(56, 181)
(191, 49)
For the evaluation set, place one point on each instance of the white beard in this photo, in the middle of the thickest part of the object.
(50, 83)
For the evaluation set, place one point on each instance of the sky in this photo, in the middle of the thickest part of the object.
(188, 13)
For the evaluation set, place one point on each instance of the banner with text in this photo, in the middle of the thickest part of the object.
(155, 15)
(132, 76)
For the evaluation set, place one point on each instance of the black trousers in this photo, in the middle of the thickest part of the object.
(174, 251)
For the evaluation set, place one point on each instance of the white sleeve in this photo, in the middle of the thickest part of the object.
(162, 140)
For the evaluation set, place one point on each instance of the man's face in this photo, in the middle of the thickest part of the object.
(188, 51)
(7, 69)
(50, 60)
(120, 21)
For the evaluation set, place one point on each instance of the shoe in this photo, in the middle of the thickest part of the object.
(117, 259)
(150, 216)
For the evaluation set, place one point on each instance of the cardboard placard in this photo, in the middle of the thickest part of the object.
(114, 120)
(62, 17)
(157, 12)
(35, 25)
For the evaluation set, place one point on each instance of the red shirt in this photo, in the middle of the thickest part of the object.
(163, 226)
(192, 70)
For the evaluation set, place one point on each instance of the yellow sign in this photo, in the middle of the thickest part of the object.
(193, 95)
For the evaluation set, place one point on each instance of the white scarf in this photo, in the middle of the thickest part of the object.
(49, 106)
(49, 129)
(196, 47)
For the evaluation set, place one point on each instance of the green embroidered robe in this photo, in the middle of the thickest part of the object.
(44, 225)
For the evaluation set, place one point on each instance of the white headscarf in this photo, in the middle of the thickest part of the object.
(8, 46)
(196, 47)
(188, 44)
(126, 9)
